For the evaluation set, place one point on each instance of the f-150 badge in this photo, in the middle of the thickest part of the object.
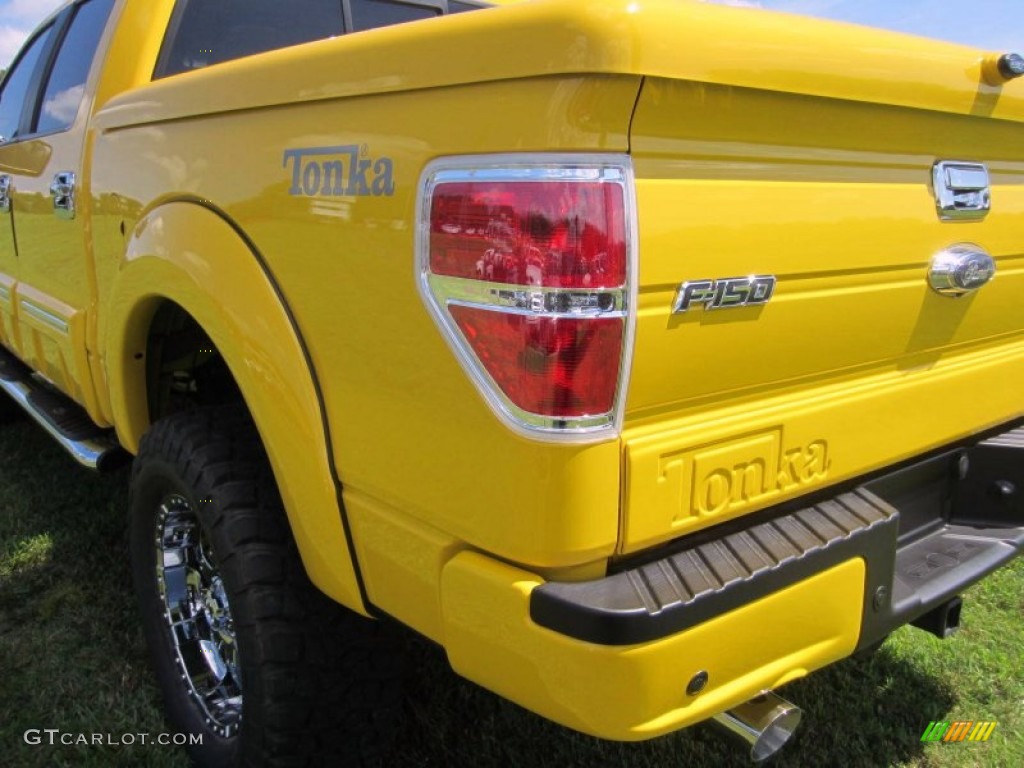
(724, 293)
(344, 171)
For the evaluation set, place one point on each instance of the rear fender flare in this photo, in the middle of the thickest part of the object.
(190, 254)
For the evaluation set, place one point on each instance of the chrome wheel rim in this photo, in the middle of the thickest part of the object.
(198, 615)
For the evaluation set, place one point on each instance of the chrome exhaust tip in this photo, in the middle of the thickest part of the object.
(766, 723)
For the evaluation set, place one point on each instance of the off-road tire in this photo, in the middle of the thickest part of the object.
(319, 684)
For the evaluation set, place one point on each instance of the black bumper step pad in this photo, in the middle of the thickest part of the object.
(933, 567)
(691, 586)
(965, 518)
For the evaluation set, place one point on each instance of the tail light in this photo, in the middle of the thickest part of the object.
(527, 267)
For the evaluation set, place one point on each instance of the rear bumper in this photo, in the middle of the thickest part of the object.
(638, 691)
(754, 605)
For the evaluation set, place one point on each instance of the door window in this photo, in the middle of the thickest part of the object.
(17, 84)
(66, 85)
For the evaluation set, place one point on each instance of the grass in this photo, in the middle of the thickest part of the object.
(72, 658)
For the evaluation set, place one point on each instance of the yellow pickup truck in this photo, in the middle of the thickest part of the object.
(644, 355)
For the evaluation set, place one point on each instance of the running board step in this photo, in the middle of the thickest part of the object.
(64, 419)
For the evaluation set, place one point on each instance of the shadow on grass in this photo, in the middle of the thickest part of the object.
(71, 651)
(72, 658)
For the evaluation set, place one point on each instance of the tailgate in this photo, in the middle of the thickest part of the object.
(854, 362)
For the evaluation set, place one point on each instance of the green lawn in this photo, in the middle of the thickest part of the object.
(72, 658)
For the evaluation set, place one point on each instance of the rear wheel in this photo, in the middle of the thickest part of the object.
(248, 654)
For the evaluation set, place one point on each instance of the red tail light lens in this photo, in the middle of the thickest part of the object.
(554, 234)
(527, 269)
(556, 366)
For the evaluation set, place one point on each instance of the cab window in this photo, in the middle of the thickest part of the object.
(17, 84)
(65, 86)
(206, 32)
(370, 14)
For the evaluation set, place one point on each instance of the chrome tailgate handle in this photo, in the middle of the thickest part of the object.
(962, 190)
(63, 192)
(5, 194)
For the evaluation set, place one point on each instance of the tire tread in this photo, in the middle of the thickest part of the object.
(311, 694)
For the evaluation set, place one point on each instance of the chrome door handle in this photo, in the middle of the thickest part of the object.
(5, 194)
(63, 192)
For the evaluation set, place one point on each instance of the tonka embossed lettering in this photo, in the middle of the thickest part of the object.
(343, 171)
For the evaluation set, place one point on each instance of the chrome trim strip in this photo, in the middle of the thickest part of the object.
(612, 168)
(45, 316)
(537, 167)
(89, 453)
(525, 312)
(570, 302)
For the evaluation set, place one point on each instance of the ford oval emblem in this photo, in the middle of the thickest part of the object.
(961, 269)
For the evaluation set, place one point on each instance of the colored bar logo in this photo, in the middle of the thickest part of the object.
(959, 730)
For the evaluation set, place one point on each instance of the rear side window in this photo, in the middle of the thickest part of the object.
(17, 84)
(66, 86)
(206, 32)
(370, 14)
(457, 7)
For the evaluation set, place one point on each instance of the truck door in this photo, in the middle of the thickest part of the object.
(13, 100)
(55, 277)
